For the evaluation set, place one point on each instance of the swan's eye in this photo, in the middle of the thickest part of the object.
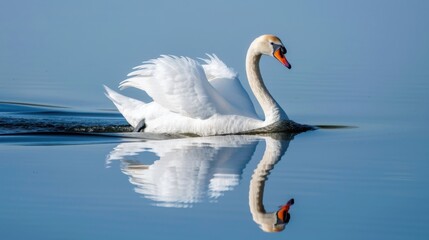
(279, 47)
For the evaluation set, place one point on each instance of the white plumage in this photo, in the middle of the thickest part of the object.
(199, 98)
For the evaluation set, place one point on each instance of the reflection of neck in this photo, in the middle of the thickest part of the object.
(274, 150)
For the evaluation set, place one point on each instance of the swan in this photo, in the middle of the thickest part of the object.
(205, 98)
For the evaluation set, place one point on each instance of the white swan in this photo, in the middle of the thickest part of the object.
(203, 99)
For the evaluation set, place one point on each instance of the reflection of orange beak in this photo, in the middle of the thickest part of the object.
(281, 213)
(281, 57)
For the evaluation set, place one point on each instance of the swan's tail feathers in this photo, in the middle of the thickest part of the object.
(130, 108)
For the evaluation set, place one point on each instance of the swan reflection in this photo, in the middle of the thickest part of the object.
(275, 148)
(190, 170)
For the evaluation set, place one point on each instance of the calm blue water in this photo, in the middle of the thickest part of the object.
(71, 169)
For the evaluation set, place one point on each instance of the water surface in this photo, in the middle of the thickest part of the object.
(63, 181)
(70, 167)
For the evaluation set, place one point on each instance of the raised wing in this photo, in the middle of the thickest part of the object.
(215, 68)
(225, 81)
(180, 85)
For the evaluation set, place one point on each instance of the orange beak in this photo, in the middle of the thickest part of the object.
(281, 57)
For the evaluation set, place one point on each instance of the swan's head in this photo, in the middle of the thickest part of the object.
(272, 46)
(282, 216)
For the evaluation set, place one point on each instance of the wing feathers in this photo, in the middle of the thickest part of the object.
(180, 85)
(215, 68)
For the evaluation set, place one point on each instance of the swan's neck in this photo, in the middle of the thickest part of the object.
(272, 110)
(274, 150)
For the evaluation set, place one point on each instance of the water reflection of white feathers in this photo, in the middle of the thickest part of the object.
(191, 169)
(188, 169)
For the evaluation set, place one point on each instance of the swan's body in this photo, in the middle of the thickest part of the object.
(203, 99)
